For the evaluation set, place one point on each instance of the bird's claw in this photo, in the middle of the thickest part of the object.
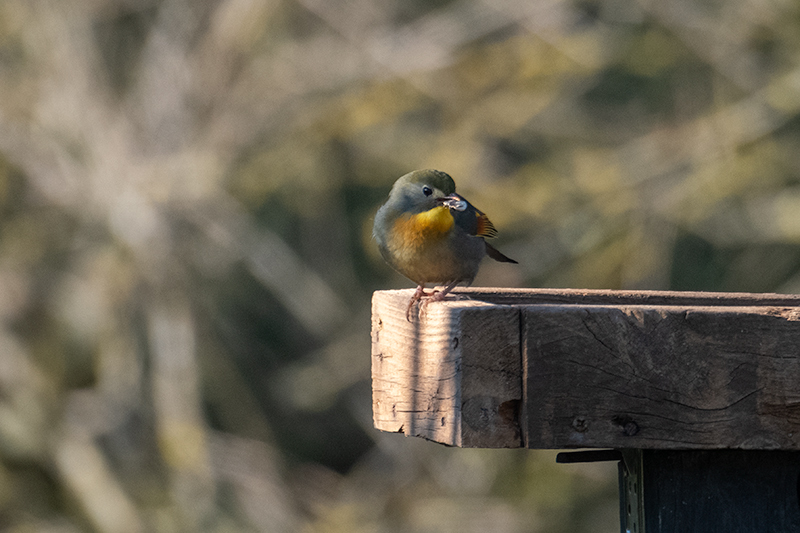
(408, 309)
(419, 296)
(424, 298)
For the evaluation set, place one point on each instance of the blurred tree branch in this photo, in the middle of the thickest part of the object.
(186, 192)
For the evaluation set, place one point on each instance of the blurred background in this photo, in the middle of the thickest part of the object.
(186, 199)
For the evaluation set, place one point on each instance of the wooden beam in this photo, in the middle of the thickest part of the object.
(548, 368)
(454, 376)
(666, 377)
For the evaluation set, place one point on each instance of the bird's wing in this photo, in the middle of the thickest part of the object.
(495, 254)
(484, 228)
(469, 218)
(473, 221)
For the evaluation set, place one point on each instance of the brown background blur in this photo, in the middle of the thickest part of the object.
(186, 199)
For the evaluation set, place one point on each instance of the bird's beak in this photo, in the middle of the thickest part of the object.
(453, 201)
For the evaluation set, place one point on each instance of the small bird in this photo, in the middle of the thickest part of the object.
(432, 235)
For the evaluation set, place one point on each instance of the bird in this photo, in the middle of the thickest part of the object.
(432, 235)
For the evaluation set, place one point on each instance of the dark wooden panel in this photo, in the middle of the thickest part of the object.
(722, 491)
(661, 377)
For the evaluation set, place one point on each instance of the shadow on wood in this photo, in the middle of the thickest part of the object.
(548, 368)
(453, 376)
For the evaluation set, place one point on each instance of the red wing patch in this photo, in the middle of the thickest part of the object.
(485, 228)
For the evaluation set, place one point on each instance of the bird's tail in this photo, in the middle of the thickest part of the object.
(495, 254)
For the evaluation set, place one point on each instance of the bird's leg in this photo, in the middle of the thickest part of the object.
(418, 295)
(437, 296)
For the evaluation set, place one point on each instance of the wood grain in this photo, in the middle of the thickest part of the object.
(664, 377)
(604, 369)
(520, 297)
(454, 376)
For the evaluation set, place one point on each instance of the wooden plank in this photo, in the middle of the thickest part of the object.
(605, 369)
(669, 377)
(522, 297)
(454, 376)
(720, 491)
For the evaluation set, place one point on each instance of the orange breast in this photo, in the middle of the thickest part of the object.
(422, 229)
(421, 248)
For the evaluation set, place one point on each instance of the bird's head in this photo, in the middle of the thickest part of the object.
(421, 191)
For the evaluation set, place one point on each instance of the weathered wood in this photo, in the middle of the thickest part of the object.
(454, 376)
(521, 297)
(661, 377)
(610, 369)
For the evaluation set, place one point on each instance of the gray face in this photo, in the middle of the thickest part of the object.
(417, 191)
(413, 197)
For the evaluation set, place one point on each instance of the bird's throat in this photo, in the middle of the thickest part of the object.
(414, 230)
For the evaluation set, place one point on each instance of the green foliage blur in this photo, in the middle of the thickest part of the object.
(186, 264)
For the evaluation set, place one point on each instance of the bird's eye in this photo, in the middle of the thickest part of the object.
(427, 191)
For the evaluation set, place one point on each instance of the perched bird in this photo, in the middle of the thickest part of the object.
(432, 235)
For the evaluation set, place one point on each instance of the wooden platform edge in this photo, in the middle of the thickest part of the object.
(453, 376)
(548, 369)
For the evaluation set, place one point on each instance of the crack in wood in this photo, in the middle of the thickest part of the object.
(687, 369)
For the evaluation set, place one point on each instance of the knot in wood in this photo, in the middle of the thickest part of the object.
(580, 424)
(628, 425)
(630, 428)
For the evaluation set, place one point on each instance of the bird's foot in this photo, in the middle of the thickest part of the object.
(439, 296)
(434, 296)
(419, 296)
